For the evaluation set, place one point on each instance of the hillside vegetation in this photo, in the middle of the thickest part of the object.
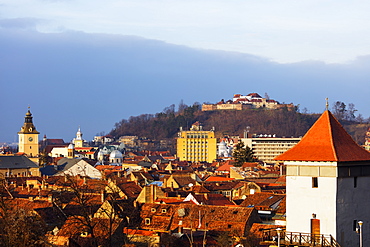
(282, 122)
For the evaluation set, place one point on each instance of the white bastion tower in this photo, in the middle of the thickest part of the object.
(328, 184)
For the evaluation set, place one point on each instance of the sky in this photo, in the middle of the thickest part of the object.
(89, 64)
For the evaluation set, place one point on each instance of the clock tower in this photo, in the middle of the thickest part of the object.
(28, 137)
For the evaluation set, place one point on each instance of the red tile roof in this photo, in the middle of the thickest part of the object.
(326, 140)
(164, 217)
(225, 167)
(218, 179)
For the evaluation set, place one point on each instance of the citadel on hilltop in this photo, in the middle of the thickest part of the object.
(243, 102)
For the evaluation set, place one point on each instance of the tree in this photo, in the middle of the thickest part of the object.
(182, 106)
(242, 154)
(351, 112)
(19, 227)
(339, 110)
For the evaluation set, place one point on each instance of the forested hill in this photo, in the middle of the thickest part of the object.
(282, 122)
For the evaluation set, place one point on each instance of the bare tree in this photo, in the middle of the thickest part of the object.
(19, 227)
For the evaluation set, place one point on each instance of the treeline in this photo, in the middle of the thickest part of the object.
(282, 122)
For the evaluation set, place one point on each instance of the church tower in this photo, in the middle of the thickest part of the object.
(78, 141)
(28, 137)
(327, 183)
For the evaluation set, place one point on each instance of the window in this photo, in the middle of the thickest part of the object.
(147, 221)
(152, 210)
(164, 210)
(315, 182)
(355, 182)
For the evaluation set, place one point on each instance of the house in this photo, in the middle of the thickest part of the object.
(98, 231)
(121, 188)
(181, 180)
(149, 194)
(72, 167)
(18, 166)
(179, 218)
(142, 237)
(266, 203)
(208, 199)
(231, 189)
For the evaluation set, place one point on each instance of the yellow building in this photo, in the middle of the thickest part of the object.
(196, 144)
(28, 137)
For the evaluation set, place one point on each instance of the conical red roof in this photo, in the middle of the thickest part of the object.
(326, 140)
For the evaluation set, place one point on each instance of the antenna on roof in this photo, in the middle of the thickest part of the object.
(327, 104)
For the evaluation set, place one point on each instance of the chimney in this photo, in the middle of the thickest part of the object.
(102, 196)
(180, 226)
(152, 193)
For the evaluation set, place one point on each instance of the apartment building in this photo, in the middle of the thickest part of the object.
(196, 144)
(267, 147)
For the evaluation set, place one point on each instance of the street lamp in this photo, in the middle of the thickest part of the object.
(278, 230)
(360, 225)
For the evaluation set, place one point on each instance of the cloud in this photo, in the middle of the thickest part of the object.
(73, 79)
(20, 23)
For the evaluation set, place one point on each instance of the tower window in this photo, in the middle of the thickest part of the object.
(315, 182)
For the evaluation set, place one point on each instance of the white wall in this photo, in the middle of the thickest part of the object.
(302, 201)
(59, 152)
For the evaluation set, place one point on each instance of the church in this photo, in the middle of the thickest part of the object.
(327, 184)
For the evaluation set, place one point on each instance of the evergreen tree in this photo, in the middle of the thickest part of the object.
(242, 154)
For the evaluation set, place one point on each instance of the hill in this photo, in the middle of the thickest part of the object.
(282, 122)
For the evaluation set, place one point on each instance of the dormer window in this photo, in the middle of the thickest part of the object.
(147, 221)
(152, 210)
(164, 210)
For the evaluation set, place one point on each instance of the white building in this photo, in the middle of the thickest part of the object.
(327, 184)
(77, 167)
(267, 147)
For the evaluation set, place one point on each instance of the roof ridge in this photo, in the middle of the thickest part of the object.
(331, 134)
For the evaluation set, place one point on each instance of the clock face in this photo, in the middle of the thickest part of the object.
(30, 139)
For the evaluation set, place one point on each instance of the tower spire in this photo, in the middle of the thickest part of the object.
(327, 104)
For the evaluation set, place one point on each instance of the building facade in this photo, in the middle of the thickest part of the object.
(196, 144)
(243, 102)
(367, 140)
(267, 147)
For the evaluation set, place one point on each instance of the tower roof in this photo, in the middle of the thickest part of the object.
(28, 127)
(326, 140)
